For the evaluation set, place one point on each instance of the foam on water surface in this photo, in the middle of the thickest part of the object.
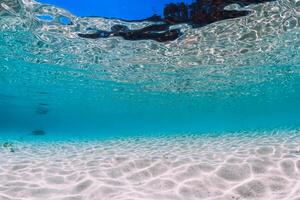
(237, 166)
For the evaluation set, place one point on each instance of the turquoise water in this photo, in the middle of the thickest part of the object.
(218, 78)
(51, 98)
(212, 115)
(77, 105)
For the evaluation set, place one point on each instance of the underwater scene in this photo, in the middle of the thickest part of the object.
(188, 100)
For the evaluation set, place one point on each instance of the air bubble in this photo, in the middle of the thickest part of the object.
(290, 23)
(65, 20)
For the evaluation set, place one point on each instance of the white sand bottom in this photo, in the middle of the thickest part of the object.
(230, 167)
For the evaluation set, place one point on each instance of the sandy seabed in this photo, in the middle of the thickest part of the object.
(229, 167)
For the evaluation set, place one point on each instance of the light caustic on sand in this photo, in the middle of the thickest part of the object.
(237, 166)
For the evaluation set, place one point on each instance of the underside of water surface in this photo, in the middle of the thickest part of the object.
(213, 115)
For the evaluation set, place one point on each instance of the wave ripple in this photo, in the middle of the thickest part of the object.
(268, 37)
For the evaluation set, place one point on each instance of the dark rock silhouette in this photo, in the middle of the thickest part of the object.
(9, 146)
(197, 14)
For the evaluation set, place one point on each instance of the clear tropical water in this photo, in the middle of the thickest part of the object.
(214, 114)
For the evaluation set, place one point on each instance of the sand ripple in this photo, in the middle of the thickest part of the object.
(230, 167)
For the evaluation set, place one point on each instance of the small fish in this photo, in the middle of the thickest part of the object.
(41, 110)
(38, 132)
(42, 93)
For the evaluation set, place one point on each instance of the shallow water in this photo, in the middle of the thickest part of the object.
(212, 115)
